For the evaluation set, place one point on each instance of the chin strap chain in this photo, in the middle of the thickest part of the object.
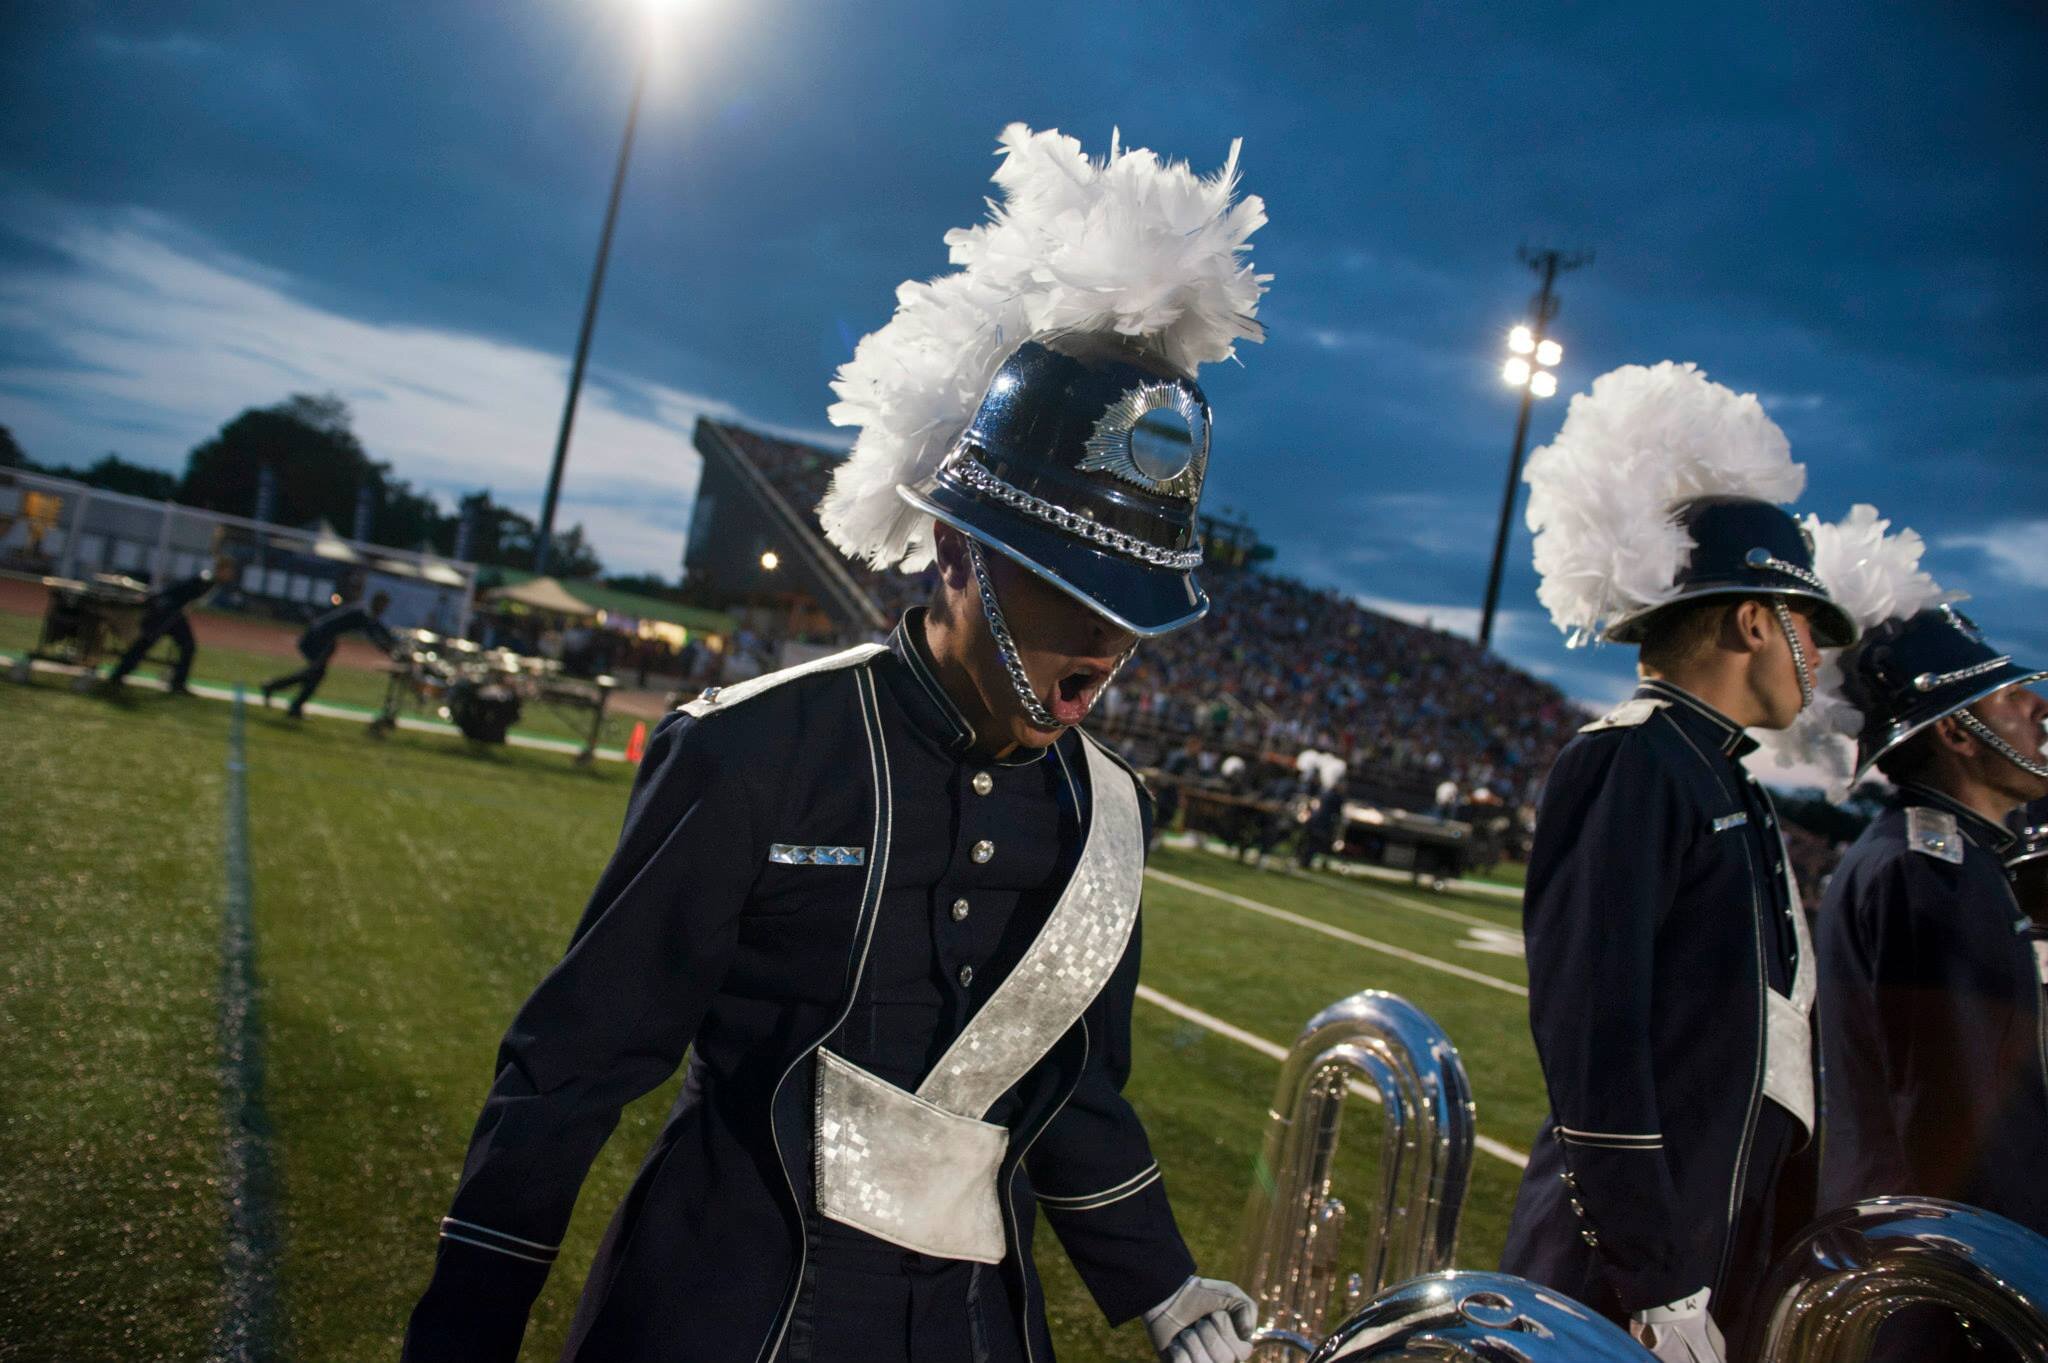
(1988, 736)
(1799, 661)
(1006, 647)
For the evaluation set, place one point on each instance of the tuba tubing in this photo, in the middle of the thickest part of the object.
(1293, 1227)
(1463, 1317)
(1852, 1269)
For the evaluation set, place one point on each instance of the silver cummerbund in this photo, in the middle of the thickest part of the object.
(902, 1169)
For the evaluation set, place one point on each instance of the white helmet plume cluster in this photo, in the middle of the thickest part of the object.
(1874, 575)
(1130, 245)
(1601, 492)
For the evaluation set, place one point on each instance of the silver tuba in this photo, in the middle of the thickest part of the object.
(1293, 1226)
(1852, 1269)
(1478, 1318)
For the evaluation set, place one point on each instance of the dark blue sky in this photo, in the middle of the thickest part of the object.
(1838, 206)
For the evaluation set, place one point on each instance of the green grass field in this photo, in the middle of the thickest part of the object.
(406, 896)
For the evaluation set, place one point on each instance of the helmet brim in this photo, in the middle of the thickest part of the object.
(1146, 600)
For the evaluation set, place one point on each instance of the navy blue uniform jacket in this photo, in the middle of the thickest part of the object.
(1931, 1020)
(696, 941)
(1655, 914)
(172, 599)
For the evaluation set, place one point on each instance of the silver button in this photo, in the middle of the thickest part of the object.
(966, 976)
(983, 850)
(983, 783)
(959, 911)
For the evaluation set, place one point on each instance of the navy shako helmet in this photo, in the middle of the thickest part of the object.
(1907, 674)
(1084, 463)
(1743, 546)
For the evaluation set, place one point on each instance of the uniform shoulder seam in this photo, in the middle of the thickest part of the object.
(717, 699)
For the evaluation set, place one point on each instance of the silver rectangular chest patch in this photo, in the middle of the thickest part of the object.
(1728, 821)
(791, 854)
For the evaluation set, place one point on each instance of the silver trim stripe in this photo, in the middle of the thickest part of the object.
(1084, 1202)
(790, 854)
(1612, 1140)
(483, 1237)
(1930, 681)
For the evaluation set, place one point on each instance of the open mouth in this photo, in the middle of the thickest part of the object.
(1075, 692)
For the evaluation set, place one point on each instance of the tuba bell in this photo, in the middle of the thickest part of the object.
(1293, 1226)
(1852, 1269)
(1478, 1318)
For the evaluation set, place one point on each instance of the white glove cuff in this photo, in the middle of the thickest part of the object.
(1685, 1308)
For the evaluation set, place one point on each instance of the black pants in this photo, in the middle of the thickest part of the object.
(307, 679)
(174, 627)
(866, 1301)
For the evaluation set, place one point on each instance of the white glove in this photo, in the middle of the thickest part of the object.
(1681, 1331)
(1206, 1321)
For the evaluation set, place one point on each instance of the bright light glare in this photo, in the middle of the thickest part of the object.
(771, 560)
(1543, 384)
(1521, 340)
(1515, 372)
(1549, 353)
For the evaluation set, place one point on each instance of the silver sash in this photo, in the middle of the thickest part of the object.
(1788, 1034)
(919, 1169)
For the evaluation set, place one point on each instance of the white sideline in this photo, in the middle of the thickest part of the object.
(1209, 1022)
(1316, 925)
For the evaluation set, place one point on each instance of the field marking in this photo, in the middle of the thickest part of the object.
(246, 1332)
(1342, 935)
(1210, 1022)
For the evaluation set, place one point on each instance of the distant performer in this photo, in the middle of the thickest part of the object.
(318, 643)
(163, 617)
(887, 901)
(1670, 979)
(1936, 1060)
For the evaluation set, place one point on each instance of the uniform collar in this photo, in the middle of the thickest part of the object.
(1701, 718)
(1995, 838)
(932, 712)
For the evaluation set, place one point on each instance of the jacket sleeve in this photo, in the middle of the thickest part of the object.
(610, 1021)
(1860, 1042)
(1093, 1171)
(1604, 871)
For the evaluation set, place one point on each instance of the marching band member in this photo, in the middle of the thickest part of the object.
(1669, 980)
(888, 901)
(163, 617)
(1935, 1050)
(318, 643)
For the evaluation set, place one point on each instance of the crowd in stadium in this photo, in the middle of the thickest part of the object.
(1304, 667)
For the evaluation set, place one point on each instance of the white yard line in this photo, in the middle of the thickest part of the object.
(1212, 1023)
(1316, 925)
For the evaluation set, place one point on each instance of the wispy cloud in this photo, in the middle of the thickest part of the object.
(2014, 550)
(163, 340)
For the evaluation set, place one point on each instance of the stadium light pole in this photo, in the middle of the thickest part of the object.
(1531, 359)
(544, 541)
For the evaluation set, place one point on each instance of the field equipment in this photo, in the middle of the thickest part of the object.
(85, 620)
(1853, 1269)
(1477, 1318)
(1427, 847)
(483, 692)
(1294, 1227)
(2028, 868)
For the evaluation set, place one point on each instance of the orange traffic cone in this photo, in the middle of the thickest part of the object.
(636, 746)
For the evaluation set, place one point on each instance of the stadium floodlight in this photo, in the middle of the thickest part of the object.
(1543, 383)
(771, 560)
(1521, 340)
(1515, 372)
(1549, 353)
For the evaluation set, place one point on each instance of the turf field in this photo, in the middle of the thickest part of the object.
(405, 895)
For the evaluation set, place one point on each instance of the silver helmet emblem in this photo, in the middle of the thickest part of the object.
(1166, 467)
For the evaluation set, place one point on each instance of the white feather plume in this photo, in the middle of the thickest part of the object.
(1601, 492)
(1131, 245)
(1874, 576)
